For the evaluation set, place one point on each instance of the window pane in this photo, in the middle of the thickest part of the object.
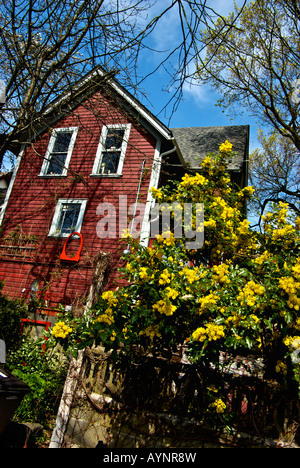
(68, 218)
(114, 139)
(56, 164)
(109, 163)
(62, 142)
(58, 155)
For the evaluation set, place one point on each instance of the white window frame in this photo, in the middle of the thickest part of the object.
(56, 217)
(47, 158)
(101, 149)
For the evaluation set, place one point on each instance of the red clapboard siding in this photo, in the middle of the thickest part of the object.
(33, 199)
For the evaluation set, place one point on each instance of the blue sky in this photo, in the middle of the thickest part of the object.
(198, 107)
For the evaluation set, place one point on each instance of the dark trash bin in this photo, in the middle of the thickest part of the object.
(12, 391)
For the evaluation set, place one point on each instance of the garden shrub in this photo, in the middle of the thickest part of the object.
(11, 314)
(239, 294)
(44, 372)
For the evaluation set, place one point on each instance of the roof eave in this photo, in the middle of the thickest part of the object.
(84, 86)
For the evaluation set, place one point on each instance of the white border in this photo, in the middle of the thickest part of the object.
(53, 229)
(47, 158)
(101, 147)
(11, 184)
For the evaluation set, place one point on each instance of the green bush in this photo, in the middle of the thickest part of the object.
(44, 372)
(11, 314)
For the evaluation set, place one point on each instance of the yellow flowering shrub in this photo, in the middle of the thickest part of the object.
(237, 294)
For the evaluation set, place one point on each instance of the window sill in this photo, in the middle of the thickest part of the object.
(62, 236)
(109, 176)
(49, 176)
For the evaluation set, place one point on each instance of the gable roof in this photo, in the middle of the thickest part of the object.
(191, 144)
(94, 81)
(97, 79)
(196, 142)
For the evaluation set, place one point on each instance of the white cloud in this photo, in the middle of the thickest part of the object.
(200, 94)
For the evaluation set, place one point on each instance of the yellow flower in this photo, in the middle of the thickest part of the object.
(225, 147)
(188, 180)
(143, 274)
(282, 232)
(287, 284)
(166, 238)
(246, 191)
(281, 367)
(292, 341)
(151, 331)
(220, 273)
(61, 330)
(191, 274)
(259, 342)
(211, 332)
(234, 320)
(113, 336)
(293, 302)
(243, 228)
(212, 388)
(248, 296)
(214, 332)
(296, 270)
(109, 296)
(171, 293)
(165, 277)
(297, 324)
(262, 258)
(208, 301)
(164, 307)
(211, 223)
(199, 334)
(254, 318)
(125, 333)
(105, 318)
(218, 405)
(206, 161)
(156, 193)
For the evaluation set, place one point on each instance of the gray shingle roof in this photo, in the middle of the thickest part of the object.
(195, 142)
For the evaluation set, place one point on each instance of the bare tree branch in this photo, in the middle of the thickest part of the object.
(46, 46)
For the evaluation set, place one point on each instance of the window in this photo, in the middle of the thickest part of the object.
(59, 152)
(68, 217)
(111, 151)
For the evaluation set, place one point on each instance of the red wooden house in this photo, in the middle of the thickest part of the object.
(96, 148)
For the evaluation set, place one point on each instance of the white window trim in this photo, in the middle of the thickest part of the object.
(101, 147)
(47, 159)
(53, 229)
